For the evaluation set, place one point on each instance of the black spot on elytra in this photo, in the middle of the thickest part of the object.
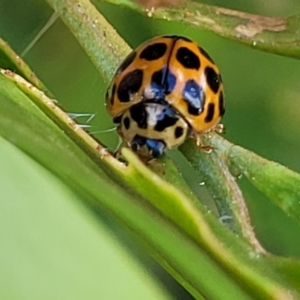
(126, 62)
(156, 85)
(210, 113)
(205, 54)
(221, 104)
(130, 84)
(154, 51)
(126, 123)
(194, 96)
(162, 83)
(139, 114)
(158, 77)
(213, 79)
(178, 132)
(187, 58)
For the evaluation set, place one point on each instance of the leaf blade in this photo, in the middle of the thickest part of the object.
(161, 237)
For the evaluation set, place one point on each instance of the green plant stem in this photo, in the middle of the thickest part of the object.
(12, 61)
(276, 35)
(98, 38)
(223, 188)
(280, 184)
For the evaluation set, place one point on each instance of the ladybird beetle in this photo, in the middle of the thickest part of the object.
(164, 91)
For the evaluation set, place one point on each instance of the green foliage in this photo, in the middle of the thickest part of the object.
(86, 187)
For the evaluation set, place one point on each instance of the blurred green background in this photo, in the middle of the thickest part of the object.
(262, 90)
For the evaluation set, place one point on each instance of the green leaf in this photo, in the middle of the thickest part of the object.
(48, 239)
(178, 231)
(205, 242)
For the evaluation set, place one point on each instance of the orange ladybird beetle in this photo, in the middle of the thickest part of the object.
(164, 91)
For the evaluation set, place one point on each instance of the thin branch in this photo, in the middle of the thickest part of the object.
(98, 38)
(222, 186)
(276, 35)
(9, 59)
